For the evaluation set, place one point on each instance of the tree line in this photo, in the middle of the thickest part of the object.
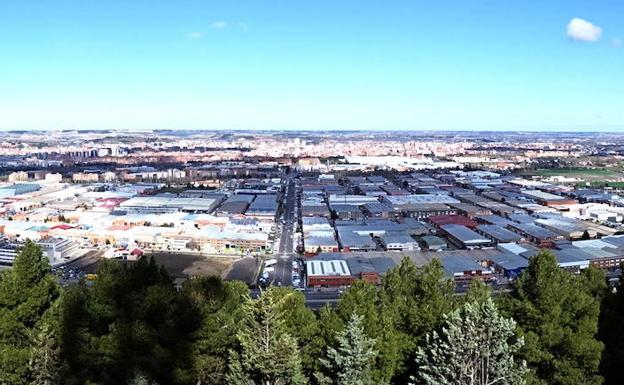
(132, 326)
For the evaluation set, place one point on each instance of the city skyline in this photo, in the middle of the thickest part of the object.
(328, 66)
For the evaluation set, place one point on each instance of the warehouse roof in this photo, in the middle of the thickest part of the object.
(499, 233)
(400, 200)
(493, 220)
(394, 237)
(191, 204)
(534, 230)
(432, 240)
(617, 240)
(364, 264)
(464, 234)
(318, 240)
(352, 239)
(316, 268)
(522, 218)
(378, 207)
(441, 220)
(542, 195)
(509, 261)
(455, 264)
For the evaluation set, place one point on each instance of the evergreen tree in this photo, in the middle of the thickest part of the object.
(139, 379)
(300, 323)
(268, 355)
(478, 291)
(378, 323)
(557, 313)
(220, 304)
(611, 333)
(27, 293)
(45, 359)
(475, 346)
(417, 298)
(350, 362)
(132, 320)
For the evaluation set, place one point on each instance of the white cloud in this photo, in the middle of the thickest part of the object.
(194, 35)
(583, 30)
(219, 24)
(617, 42)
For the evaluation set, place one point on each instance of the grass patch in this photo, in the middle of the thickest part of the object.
(590, 174)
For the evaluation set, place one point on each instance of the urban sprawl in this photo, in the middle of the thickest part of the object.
(316, 211)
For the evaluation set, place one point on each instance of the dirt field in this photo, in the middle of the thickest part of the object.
(191, 265)
(181, 265)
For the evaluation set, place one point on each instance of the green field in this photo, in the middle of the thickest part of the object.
(588, 174)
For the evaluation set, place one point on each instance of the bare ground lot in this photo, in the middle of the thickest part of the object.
(180, 265)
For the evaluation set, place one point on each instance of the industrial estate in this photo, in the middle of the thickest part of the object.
(321, 192)
(318, 220)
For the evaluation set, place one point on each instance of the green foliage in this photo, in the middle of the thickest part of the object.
(418, 297)
(557, 313)
(350, 363)
(139, 379)
(220, 306)
(133, 327)
(300, 323)
(478, 291)
(611, 333)
(410, 303)
(475, 345)
(268, 354)
(28, 292)
(329, 324)
(132, 320)
(45, 361)
(378, 322)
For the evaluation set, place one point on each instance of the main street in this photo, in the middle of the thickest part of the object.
(282, 275)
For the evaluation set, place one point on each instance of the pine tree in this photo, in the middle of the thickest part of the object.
(378, 323)
(557, 313)
(611, 333)
(475, 346)
(139, 379)
(301, 324)
(268, 355)
(131, 320)
(417, 297)
(45, 358)
(27, 293)
(350, 362)
(221, 309)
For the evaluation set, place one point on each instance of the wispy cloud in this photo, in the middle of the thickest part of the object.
(219, 24)
(242, 26)
(616, 42)
(194, 35)
(582, 30)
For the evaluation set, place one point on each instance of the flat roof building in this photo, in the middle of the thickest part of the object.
(462, 237)
(498, 234)
(145, 205)
(328, 273)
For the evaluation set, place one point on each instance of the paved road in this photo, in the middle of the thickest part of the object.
(244, 270)
(283, 268)
(88, 262)
(313, 299)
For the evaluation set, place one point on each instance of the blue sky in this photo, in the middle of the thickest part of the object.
(322, 64)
